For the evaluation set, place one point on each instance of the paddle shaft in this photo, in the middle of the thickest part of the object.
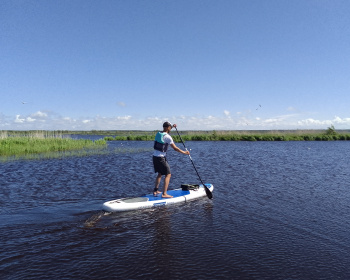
(207, 191)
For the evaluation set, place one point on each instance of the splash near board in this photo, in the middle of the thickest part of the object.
(183, 194)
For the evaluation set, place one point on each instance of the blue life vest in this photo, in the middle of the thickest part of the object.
(159, 143)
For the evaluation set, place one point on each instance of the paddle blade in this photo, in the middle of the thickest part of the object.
(208, 192)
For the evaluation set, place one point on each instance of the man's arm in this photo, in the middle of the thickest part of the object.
(179, 150)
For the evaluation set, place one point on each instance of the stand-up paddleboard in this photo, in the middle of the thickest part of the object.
(149, 200)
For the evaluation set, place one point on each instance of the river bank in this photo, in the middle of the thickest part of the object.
(244, 135)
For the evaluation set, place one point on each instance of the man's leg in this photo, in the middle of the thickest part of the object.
(166, 184)
(156, 185)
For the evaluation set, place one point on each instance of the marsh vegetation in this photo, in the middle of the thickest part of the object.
(44, 144)
(264, 135)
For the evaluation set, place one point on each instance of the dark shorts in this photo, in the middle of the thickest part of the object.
(161, 165)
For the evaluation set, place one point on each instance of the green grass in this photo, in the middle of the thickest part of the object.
(131, 138)
(45, 145)
(243, 136)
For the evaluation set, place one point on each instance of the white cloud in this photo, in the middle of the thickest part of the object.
(29, 119)
(40, 114)
(311, 121)
(19, 120)
(334, 121)
(121, 104)
(53, 121)
(124, 118)
(341, 121)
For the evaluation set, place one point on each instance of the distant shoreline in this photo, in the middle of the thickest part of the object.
(182, 132)
(329, 134)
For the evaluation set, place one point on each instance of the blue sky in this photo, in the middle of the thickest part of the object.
(224, 64)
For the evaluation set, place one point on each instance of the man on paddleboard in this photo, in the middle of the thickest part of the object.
(161, 143)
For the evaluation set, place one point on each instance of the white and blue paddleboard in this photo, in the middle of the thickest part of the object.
(149, 200)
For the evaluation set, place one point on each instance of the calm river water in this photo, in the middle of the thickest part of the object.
(281, 210)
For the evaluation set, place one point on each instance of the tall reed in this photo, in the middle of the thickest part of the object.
(43, 143)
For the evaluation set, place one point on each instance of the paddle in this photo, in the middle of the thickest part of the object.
(207, 191)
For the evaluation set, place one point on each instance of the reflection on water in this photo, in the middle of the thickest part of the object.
(280, 211)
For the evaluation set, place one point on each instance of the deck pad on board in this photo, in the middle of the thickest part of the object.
(174, 193)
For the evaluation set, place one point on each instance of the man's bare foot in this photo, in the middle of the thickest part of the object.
(166, 195)
(156, 193)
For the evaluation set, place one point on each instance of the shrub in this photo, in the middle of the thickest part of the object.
(248, 138)
(331, 130)
(267, 138)
(279, 138)
(309, 138)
